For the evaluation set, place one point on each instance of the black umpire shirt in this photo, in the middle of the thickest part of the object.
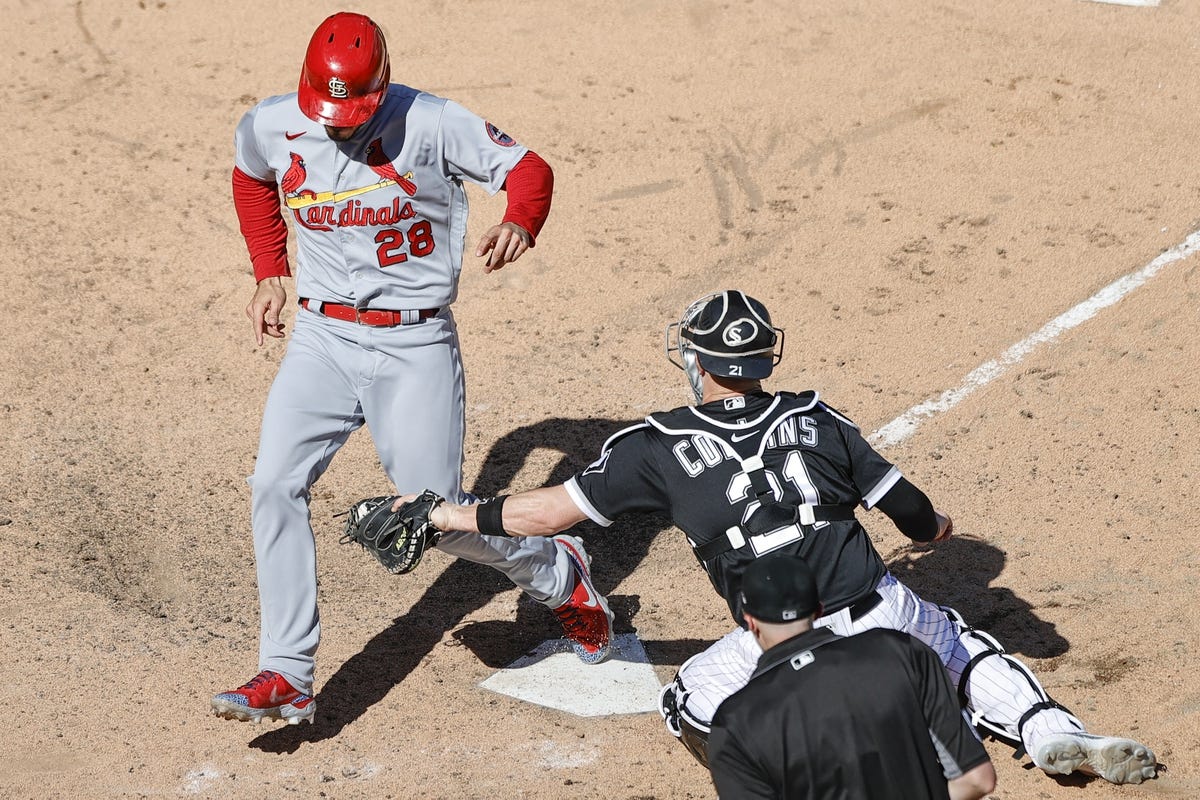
(675, 463)
(867, 717)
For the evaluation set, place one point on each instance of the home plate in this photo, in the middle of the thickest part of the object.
(553, 676)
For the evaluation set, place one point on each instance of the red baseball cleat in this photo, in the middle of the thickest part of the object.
(268, 695)
(585, 617)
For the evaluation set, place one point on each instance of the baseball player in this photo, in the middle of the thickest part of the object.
(746, 472)
(372, 175)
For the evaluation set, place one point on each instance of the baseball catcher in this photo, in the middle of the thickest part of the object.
(396, 538)
(745, 472)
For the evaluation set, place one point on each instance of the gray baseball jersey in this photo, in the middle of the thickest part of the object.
(380, 220)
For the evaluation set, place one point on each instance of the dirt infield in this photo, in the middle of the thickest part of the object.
(912, 188)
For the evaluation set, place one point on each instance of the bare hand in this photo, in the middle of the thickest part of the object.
(439, 516)
(265, 308)
(505, 242)
(945, 527)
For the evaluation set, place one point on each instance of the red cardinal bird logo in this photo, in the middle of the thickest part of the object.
(295, 176)
(382, 166)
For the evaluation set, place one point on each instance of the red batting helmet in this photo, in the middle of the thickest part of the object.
(346, 71)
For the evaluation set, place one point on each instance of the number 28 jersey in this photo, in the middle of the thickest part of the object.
(380, 219)
(690, 463)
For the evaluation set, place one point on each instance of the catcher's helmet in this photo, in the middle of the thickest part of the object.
(728, 334)
(346, 71)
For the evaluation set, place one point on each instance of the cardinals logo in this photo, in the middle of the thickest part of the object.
(293, 195)
(382, 166)
(319, 211)
(295, 176)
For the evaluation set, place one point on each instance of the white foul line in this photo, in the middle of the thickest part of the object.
(904, 425)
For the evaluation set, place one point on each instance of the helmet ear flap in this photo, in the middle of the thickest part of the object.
(679, 341)
(691, 365)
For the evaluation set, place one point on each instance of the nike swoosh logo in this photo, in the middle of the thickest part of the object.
(290, 136)
(737, 438)
(276, 698)
(591, 598)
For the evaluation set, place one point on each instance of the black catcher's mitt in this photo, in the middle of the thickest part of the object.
(399, 538)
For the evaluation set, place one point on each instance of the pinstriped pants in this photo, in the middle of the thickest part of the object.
(999, 689)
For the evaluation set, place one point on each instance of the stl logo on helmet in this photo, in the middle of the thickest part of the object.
(338, 88)
(739, 332)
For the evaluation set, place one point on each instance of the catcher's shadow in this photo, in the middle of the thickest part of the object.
(463, 588)
(498, 643)
(616, 552)
(958, 574)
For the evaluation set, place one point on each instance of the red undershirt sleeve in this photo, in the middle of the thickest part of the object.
(259, 213)
(529, 185)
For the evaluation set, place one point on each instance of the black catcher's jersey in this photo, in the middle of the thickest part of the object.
(692, 464)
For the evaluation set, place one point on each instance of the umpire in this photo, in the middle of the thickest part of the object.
(828, 717)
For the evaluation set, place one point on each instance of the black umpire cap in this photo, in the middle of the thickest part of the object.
(779, 588)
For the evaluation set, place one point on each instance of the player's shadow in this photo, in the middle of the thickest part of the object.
(463, 588)
(498, 643)
(959, 574)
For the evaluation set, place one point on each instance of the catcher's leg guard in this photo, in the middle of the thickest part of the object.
(1000, 692)
(682, 725)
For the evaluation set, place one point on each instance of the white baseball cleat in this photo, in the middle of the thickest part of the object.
(1114, 759)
